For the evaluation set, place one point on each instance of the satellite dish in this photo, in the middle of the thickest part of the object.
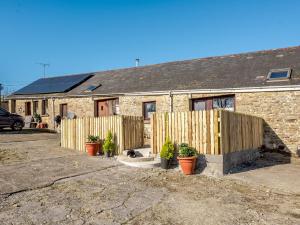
(71, 115)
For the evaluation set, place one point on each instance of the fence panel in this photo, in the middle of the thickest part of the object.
(196, 128)
(240, 132)
(127, 131)
(210, 132)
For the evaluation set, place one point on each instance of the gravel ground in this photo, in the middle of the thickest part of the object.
(41, 183)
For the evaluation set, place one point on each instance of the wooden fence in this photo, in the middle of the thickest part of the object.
(210, 132)
(127, 131)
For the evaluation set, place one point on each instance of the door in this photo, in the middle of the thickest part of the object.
(35, 107)
(102, 108)
(63, 110)
(27, 108)
(5, 119)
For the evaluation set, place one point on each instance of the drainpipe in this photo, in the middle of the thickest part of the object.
(53, 113)
(170, 101)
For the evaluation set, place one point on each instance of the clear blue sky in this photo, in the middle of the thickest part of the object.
(83, 36)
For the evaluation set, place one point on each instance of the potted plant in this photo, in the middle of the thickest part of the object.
(187, 158)
(108, 145)
(166, 154)
(92, 145)
(37, 118)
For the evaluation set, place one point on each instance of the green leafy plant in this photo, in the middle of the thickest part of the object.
(37, 117)
(93, 139)
(186, 151)
(167, 151)
(109, 145)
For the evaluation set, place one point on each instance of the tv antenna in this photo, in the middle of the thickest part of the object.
(44, 65)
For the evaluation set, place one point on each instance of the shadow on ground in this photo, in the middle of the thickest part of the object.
(267, 158)
(25, 131)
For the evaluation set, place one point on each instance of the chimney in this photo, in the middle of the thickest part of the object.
(137, 62)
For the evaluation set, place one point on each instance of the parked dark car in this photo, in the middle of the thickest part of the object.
(14, 121)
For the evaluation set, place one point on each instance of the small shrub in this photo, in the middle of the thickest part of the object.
(109, 145)
(186, 151)
(93, 139)
(167, 151)
(37, 117)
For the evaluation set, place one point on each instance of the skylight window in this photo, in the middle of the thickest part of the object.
(91, 88)
(279, 74)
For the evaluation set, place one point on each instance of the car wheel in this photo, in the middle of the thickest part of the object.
(17, 126)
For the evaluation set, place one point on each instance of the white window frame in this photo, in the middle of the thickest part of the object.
(288, 70)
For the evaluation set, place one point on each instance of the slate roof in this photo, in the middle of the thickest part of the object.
(53, 84)
(230, 71)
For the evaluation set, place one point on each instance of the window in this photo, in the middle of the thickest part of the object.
(199, 105)
(224, 103)
(279, 74)
(44, 107)
(27, 108)
(148, 108)
(35, 106)
(13, 106)
(63, 110)
(92, 87)
(221, 102)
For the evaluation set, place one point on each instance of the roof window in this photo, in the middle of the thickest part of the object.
(91, 88)
(279, 74)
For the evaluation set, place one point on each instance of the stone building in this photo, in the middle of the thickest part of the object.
(263, 83)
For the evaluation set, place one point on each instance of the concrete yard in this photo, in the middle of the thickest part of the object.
(41, 183)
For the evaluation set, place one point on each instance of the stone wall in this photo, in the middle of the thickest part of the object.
(280, 110)
(133, 105)
(80, 106)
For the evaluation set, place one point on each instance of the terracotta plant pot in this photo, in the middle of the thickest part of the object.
(92, 148)
(187, 164)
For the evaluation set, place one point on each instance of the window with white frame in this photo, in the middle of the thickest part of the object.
(279, 74)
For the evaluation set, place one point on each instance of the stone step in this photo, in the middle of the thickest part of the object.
(141, 152)
(136, 159)
(142, 164)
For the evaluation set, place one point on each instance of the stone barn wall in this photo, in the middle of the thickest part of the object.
(280, 110)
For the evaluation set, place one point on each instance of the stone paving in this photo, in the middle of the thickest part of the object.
(41, 183)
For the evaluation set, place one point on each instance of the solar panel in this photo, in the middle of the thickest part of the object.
(53, 84)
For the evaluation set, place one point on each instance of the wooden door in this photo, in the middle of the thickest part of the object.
(35, 106)
(63, 110)
(27, 108)
(102, 108)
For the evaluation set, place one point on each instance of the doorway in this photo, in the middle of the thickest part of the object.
(107, 107)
